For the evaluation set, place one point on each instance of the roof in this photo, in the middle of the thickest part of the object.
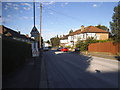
(9, 32)
(89, 29)
(93, 29)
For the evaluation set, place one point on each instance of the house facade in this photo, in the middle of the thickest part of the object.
(85, 33)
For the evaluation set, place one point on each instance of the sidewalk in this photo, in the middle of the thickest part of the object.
(27, 76)
(103, 55)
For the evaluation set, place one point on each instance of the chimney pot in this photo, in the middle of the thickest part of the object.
(82, 27)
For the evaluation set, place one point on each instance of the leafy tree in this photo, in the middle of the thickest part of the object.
(83, 45)
(102, 27)
(48, 41)
(55, 41)
(70, 31)
(115, 24)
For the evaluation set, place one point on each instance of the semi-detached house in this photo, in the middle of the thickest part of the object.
(83, 34)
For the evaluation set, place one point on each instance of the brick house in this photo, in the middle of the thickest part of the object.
(84, 33)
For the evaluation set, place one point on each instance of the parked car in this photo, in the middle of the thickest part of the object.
(64, 49)
(77, 49)
(59, 49)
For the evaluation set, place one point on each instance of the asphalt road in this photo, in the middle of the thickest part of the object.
(70, 70)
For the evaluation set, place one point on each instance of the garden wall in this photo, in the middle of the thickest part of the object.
(109, 47)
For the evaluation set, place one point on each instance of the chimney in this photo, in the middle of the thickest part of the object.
(82, 28)
(27, 35)
(19, 32)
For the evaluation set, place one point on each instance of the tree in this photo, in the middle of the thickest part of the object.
(48, 41)
(115, 24)
(83, 45)
(102, 27)
(70, 31)
(55, 41)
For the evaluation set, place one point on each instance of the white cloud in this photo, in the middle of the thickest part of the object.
(16, 8)
(8, 16)
(64, 4)
(51, 13)
(94, 5)
(24, 17)
(9, 4)
(16, 5)
(48, 3)
(26, 4)
(26, 8)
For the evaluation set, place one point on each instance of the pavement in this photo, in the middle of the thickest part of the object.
(26, 76)
(102, 55)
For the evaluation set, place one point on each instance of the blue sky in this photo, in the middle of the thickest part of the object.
(58, 17)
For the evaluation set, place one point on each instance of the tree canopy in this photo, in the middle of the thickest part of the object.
(115, 24)
(102, 27)
(70, 31)
(55, 41)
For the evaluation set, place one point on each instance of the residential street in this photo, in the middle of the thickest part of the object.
(70, 70)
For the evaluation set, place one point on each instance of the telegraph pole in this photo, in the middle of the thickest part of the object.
(40, 24)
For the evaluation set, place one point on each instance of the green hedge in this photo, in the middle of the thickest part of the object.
(14, 54)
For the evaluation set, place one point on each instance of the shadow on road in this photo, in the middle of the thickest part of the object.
(74, 65)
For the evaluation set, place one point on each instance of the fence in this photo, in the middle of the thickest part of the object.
(110, 47)
(14, 54)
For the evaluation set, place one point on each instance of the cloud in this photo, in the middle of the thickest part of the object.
(48, 3)
(10, 4)
(51, 13)
(97, 5)
(16, 5)
(16, 8)
(5, 8)
(25, 17)
(94, 5)
(26, 8)
(8, 16)
(26, 4)
(64, 4)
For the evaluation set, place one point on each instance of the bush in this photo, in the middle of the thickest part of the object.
(83, 45)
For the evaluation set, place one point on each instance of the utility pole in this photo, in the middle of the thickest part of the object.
(40, 24)
(34, 11)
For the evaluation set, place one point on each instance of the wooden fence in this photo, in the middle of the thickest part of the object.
(109, 47)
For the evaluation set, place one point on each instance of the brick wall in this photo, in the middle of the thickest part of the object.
(103, 36)
(109, 47)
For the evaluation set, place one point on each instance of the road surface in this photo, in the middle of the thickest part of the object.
(70, 70)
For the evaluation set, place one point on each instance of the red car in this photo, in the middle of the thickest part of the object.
(64, 49)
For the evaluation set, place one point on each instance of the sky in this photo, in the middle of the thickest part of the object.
(58, 18)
